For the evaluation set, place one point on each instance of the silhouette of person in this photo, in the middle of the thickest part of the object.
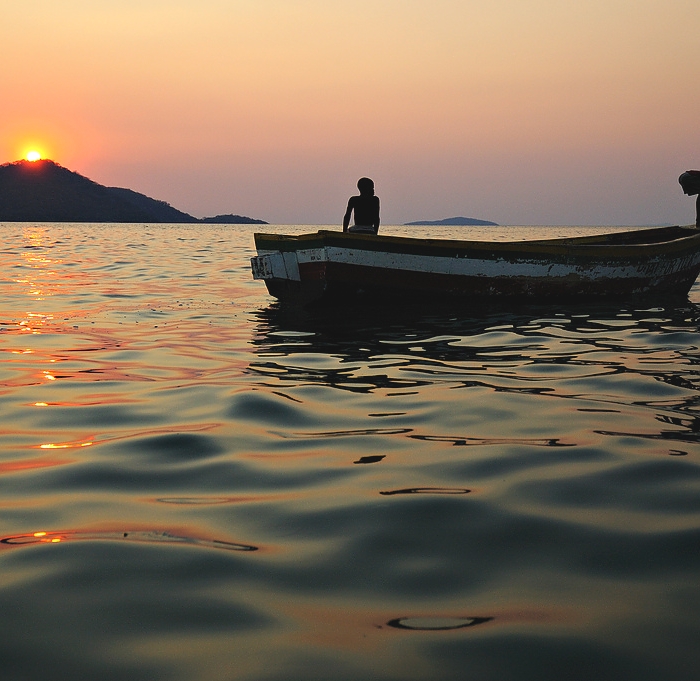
(366, 209)
(690, 181)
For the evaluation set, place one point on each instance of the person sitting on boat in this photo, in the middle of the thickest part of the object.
(366, 209)
(690, 181)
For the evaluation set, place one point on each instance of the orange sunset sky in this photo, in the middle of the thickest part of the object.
(517, 111)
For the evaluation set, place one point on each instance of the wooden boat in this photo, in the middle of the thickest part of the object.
(312, 267)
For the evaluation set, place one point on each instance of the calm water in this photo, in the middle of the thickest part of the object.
(197, 484)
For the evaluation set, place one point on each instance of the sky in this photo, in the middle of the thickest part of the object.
(518, 111)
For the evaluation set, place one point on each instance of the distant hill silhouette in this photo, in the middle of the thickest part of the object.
(44, 191)
(456, 222)
(233, 220)
(161, 210)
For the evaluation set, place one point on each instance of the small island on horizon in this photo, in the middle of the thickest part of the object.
(44, 191)
(454, 222)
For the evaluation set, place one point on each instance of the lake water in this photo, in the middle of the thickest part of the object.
(198, 484)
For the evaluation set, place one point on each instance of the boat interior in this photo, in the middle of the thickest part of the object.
(633, 237)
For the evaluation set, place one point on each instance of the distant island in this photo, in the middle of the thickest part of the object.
(230, 219)
(456, 222)
(44, 191)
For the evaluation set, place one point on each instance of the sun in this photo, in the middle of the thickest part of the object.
(33, 155)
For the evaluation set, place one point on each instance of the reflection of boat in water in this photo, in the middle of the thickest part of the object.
(311, 267)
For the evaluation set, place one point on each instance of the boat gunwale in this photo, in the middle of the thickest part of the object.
(585, 246)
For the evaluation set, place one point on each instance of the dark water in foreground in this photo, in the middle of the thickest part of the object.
(195, 484)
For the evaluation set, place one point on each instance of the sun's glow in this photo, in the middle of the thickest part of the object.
(33, 155)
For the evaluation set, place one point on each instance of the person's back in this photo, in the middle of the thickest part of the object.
(365, 208)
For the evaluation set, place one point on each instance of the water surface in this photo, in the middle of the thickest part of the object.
(196, 483)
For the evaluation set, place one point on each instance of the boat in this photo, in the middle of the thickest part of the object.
(326, 265)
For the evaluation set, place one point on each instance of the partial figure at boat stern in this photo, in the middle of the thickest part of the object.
(690, 182)
(365, 207)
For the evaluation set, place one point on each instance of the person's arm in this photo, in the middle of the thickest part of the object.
(376, 217)
(346, 217)
(697, 212)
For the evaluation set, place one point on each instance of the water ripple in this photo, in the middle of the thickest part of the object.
(140, 536)
(437, 623)
(427, 490)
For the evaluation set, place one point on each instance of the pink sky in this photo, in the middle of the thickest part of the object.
(537, 112)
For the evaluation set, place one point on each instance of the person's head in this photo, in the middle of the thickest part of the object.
(366, 186)
(690, 182)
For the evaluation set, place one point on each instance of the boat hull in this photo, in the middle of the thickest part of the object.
(308, 268)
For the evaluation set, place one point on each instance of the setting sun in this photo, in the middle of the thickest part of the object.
(33, 155)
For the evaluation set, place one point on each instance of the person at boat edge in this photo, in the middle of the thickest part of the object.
(365, 208)
(690, 182)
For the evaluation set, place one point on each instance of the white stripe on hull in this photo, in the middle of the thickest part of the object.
(473, 267)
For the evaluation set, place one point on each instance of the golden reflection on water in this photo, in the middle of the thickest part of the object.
(115, 436)
(67, 445)
(43, 282)
(31, 464)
